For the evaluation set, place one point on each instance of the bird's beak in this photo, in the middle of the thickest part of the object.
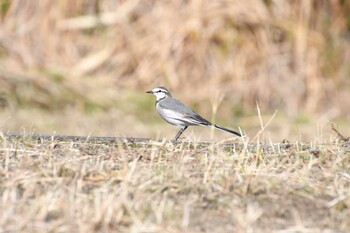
(149, 92)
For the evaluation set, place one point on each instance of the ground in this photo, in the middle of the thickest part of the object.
(66, 186)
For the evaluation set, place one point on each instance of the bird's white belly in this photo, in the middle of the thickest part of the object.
(174, 121)
(172, 117)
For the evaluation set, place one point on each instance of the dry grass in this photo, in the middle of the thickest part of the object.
(100, 56)
(160, 187)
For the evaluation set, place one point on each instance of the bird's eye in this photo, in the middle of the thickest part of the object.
(160, 91)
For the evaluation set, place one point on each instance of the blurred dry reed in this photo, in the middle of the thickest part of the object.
(287, 55)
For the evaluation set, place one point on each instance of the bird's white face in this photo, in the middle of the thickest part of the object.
(160, 93)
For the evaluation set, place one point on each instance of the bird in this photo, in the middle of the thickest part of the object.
(178, 114)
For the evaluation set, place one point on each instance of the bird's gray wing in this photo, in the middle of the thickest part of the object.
(175, 109)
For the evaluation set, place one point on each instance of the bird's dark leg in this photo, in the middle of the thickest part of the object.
(180, 132)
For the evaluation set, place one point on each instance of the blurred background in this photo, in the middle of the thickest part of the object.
(82, 67)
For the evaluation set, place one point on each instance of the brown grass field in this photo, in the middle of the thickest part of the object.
(278, 70)
(53, 186)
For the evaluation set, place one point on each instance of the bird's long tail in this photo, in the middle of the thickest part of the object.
(228, 130)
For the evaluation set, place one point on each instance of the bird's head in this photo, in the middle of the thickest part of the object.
(160, 92)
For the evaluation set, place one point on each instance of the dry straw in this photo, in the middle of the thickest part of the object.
(291, 55)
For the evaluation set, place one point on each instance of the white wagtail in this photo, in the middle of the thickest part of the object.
(178, 114)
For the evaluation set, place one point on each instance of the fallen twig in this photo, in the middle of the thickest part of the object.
(341, 136)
